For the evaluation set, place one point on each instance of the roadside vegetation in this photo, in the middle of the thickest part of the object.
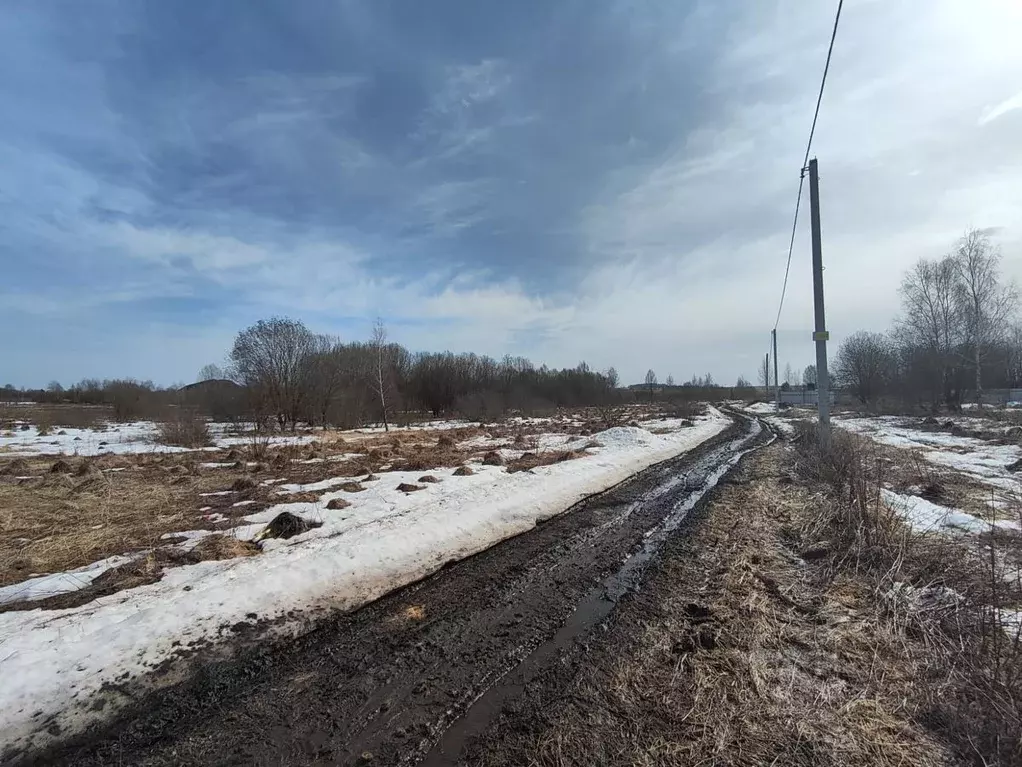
(800, 621)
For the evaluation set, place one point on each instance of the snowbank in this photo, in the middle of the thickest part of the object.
(54, 661)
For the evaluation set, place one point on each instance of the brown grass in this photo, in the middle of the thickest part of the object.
(739, 656)
(185, 429)
(529, 461)
(218, 546)
(59, 521)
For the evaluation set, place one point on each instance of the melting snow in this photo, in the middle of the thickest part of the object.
(923, 515)
(59, 583)
(385, 540)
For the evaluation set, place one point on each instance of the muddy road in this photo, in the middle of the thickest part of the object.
(415, 677)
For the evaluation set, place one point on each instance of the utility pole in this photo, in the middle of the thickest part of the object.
(777, 383)
(821, 336)
(766, 372)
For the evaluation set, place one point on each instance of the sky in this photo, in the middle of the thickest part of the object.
(611, 182)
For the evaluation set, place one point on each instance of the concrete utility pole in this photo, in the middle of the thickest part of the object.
(821, 336)
(777, 383)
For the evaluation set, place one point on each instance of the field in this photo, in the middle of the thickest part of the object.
(145, 547)
(849, 602)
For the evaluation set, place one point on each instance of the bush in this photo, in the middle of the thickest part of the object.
(184, 429)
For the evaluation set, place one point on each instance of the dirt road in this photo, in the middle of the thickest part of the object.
(417, 676)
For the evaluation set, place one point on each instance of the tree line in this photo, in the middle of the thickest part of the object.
(291, 375)
(957, 334)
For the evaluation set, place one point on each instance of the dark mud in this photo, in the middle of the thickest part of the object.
(422, 673)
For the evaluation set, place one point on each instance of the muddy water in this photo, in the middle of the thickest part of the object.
(416, 675)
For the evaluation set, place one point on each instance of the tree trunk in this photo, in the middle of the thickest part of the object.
(979, 375)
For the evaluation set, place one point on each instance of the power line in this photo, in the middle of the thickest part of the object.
(805, 160)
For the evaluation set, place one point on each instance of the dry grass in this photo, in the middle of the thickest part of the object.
(941, 595)
(107, 505)
(738, 655)
(529, 461)
(185, 429)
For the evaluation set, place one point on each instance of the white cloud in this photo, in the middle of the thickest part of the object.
(1006, 106)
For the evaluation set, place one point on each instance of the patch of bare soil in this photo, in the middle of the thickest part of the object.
(737, 652)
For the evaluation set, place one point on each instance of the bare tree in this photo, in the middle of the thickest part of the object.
(378, 342)
(271, 359)
(865, 364)
(931, 321)
(789, 375)
(670, 380)
(742, 383)
(650, 382)
(764, 373)
(211, 372)
(708, 380)
(809, 377)
(985, 306)
(612, 377)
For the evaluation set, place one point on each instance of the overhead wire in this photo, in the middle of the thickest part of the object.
(805, 160)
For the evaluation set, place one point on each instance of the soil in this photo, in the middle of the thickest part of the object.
(421, 674)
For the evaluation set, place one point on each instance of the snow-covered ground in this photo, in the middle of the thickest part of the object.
(923, 515)
(986, 462)
(121, 439)
(54, 661)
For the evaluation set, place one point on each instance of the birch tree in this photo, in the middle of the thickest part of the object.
(985, 306)
(380, 374)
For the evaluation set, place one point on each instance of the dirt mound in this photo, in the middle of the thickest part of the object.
(232, 455)
(303, 496)
(15, 467)
(351, 487)
(427, 478)
(61, 467)
(243, 483)
(532, 460)
(370, 478)
(223, 547)
(338, 503)
(286, 525)
(493, 458)
(463, 471)
(86, 468)
(404, 487)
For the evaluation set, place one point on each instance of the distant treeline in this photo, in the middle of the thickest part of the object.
(280, 373)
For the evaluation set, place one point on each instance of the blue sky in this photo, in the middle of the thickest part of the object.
(565, 180)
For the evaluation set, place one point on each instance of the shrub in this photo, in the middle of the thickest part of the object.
(184, 429)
